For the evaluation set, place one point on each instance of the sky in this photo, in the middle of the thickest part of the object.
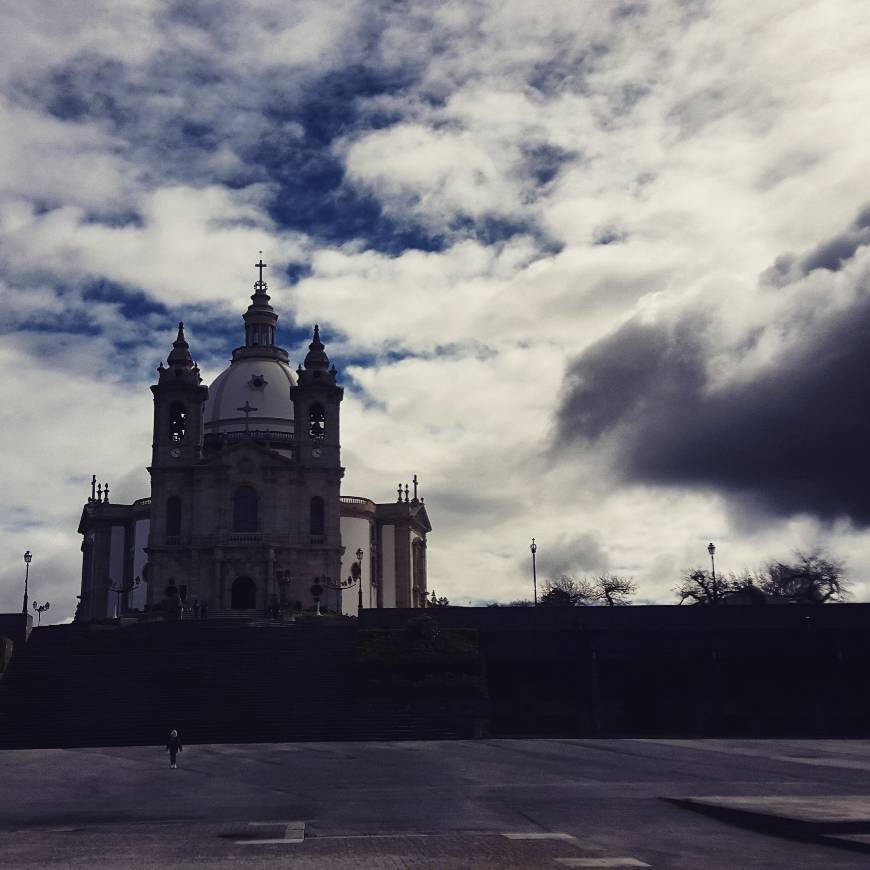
(597, 272)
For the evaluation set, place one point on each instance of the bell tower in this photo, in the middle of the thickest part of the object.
(316, 400)
(179, 397)
(316, 404)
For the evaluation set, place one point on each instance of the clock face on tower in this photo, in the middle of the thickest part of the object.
(175, 452)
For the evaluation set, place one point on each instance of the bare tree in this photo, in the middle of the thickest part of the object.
(812, 578)
(614, 591)
(700, 587)
(567, 591)
(520, 602)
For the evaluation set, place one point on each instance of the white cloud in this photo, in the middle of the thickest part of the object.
(67, 418)
(51, 162)
(433, 175)
(43, 34)
(193, 244)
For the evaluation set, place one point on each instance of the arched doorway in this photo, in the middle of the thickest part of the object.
(244, 594)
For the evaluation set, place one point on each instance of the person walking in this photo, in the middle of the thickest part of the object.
(196, 608)
(173, 746)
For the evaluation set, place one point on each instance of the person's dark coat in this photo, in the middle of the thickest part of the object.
(174, 744)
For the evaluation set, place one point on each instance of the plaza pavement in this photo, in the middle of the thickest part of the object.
(552, 803)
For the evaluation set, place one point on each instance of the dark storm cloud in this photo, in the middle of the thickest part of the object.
(793, 438)
(829, 255)
(575, 556)
(625, 378)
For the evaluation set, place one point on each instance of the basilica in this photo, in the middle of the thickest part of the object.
(246, 512)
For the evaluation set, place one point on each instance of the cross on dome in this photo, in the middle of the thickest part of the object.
(260, 284)
(246, 410)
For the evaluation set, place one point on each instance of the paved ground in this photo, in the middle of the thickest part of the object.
(474, 804)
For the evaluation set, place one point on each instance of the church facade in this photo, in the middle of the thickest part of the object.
(246, 511)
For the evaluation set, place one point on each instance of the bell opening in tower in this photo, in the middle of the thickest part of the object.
(317, 423)
(177, 422)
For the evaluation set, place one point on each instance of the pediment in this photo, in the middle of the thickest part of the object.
(421, 518)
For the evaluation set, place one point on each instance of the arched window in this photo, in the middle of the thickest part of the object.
(245, 510)
(318, 526)
(173, 516)
(316, 422)
(177, 422)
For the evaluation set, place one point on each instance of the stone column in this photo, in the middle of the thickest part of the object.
(271, 587)
(216, 600)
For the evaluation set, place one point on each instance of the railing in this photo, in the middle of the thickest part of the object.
(142, 501)
(282, 440)
(318, 539)
(244, 537)
(222, 538)
(353, 499)
(173, 539)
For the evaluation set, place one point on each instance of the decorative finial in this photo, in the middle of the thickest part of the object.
(180, 353)
(406, 493)
(99, 492)
(106, 493)
(399, 490)
(93, 488)
(260, 284)
(316, 357)
(414, 481)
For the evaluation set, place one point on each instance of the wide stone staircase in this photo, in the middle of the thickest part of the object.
(219, 680)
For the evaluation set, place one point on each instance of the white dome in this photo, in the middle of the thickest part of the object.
(262, 385)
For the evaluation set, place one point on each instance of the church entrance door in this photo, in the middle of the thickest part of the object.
(244, 594)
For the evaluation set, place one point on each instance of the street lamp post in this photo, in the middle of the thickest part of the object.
(359, 557)
(27, 558)
(40, 609)
(111, 586)
(534, 549)
(711, 549)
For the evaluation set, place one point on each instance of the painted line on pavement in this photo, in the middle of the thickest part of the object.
(600, 862)
(294, 833)
(547, 835)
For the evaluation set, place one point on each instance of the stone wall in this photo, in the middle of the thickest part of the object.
(669, 670)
